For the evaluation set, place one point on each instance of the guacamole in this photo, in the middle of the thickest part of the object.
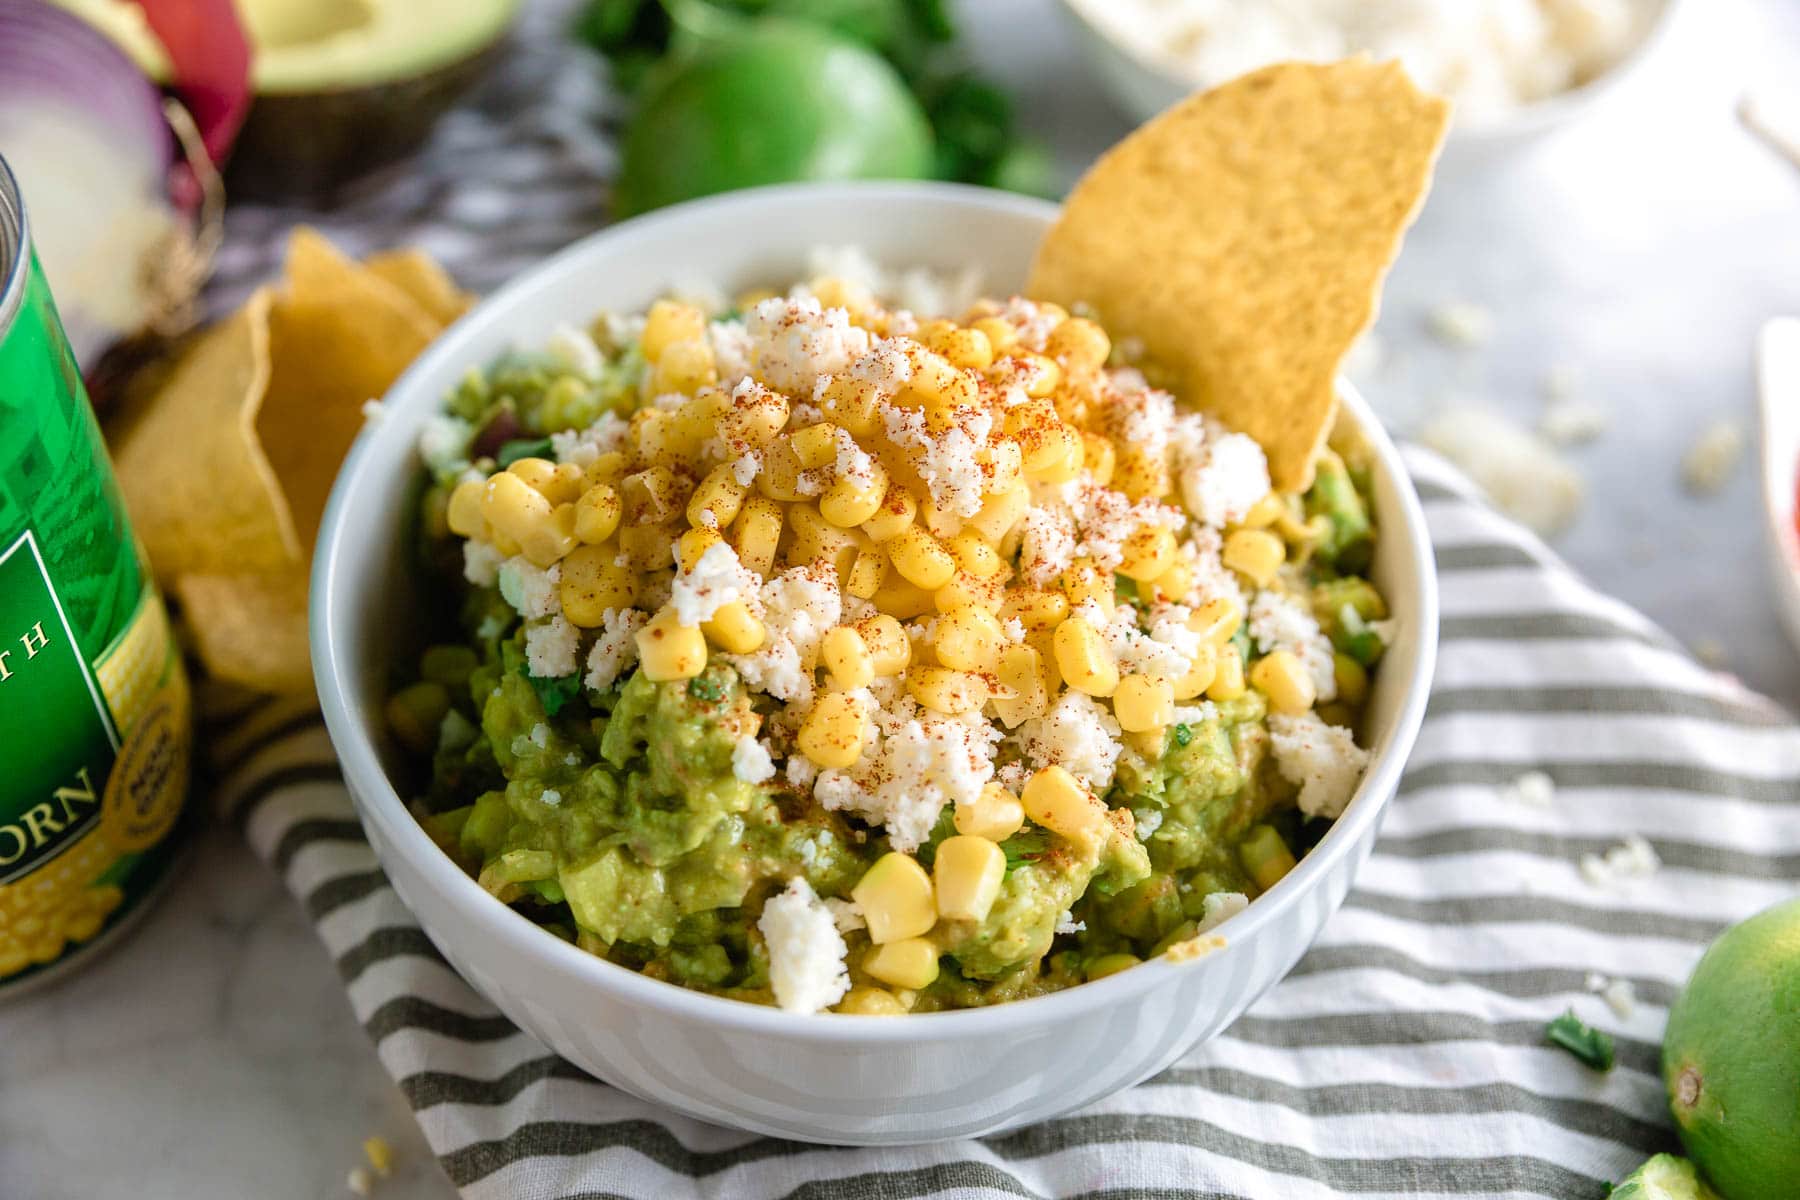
(821, 653)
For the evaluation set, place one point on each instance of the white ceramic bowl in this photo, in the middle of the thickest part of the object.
(1145, 83)
(845, 1079)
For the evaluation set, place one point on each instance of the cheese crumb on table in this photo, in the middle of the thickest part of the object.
(1710, 462)
(1520, 472)
(1632, 860)
(1534, 789)
(1461, 324)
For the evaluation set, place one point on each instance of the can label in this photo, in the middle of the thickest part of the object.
(99, 762)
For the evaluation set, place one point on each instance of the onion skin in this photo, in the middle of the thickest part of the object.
(51, 56)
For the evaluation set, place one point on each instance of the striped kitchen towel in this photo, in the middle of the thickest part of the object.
(1404, 1056)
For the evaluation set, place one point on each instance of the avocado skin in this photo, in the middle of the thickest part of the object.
(308, 145)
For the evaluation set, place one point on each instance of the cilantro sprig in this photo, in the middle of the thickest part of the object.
(1593, 1047)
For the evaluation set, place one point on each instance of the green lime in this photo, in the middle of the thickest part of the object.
(1664, 1177)
(1731, 1058)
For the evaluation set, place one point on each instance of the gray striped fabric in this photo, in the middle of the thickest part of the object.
(1403, 1057)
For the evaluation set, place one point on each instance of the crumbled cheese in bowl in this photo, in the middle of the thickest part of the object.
(841, 656)
(1491, 57)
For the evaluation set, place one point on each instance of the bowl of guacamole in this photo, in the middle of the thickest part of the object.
(782, 675)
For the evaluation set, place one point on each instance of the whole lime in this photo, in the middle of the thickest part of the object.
(1731, 1058)
(778, 101)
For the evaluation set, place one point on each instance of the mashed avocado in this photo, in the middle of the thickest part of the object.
(676, 720)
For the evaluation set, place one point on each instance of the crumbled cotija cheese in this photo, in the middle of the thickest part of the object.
(444, 443)
(806, 951)
(1221, 486)
(1534, 789)
(583, 446)
(797, 607)
(615, 650)
(1218, 907)
(529, 589)
(919, 762)
(1520, 471)
(793, 342)
(1324, 760)
(551, 648)
(1708, 465)
(1076, 734)
(1279, 622)
(481, 563)
(751, 761)
(1633, 860)
(714, 580)
(574, 351)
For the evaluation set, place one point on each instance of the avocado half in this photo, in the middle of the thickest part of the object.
(341, 86)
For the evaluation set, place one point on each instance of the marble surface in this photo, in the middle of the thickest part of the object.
(212, 1055)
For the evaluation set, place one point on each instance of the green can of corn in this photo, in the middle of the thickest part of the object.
(95, 729)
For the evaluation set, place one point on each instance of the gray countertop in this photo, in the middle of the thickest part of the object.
(213, 1055)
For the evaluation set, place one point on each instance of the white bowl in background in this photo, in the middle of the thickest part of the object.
(827, 1078)
(1144, 83)
(1778, 389)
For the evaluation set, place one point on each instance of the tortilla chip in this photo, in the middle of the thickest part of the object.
(202, 494)
(421, 278)
(1243, 236)
(338, 338)
(250, 628)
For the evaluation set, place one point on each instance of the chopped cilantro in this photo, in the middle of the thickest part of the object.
(706, 687)
(1022, 848)
(1590, 1045)
(511, 452)
(1183, 735)
(552, 693)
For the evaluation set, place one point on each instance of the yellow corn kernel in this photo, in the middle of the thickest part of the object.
(591, 583)
(1023, 693)
(1284, 680)
(1200, 674)
(650, 496)
(1057, 800)
(847, 657)
(1082, 580)
(965, 347)
(695, 542)
(779, 477)
(608, 468)
(907, 963)
(1143, 702)
(753, 419)
(1079, 344)
(648, 547)
(847, 504)
(463, 511)
(539, 473)
(889, 647)
(1173, 585)
(1048, 451)
(1148, 742)
(597, 514)
(1035, 610)
(815, 538)
(756, 533)
(867, 571)
(935, 384)
(816, 445)
(1264, 512)
(1000, 512)
(974, 555)
(896, 899)
(967, 591)
(1217, 620)
(1100, 457)
(1036, 375)
(966, 875)
(896, 513)
(832, 733)
(735, 629)
(1111, 964)
(719, 494)
(667, 322)
(1147, 553)
(898, 598)
(943, 690)
(851, 403)
(1352, 679)
(1256, 553)
(920, 559)
(1228, 683)
(1140, 476)
(1266, 858)
(685, 367)
(1001, 335)
(996, 815)
(968, 639)
(870, 1002)
(667, 649)
(1084, 659)
(549, 540)
(512, 506)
